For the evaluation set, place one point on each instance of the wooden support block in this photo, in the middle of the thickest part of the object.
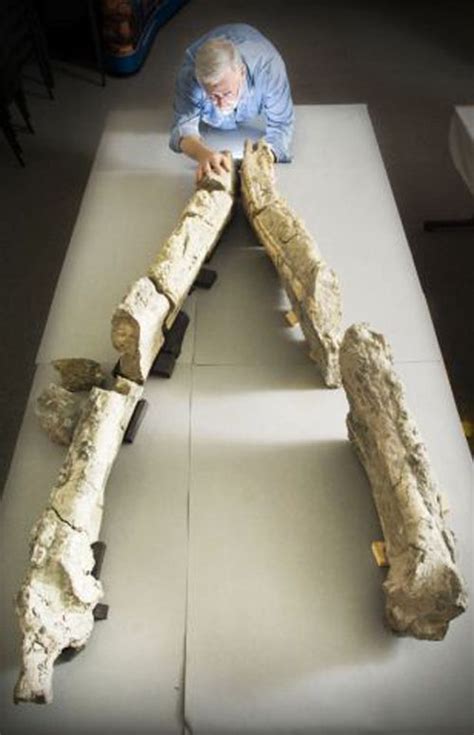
(468, 428)
(291, 318)
(380, 554)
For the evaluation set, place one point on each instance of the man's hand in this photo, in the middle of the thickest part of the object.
(212, 161)
(208, 160)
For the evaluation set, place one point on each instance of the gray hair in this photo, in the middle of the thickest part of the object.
(214, 58)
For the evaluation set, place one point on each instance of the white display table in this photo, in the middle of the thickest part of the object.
(243, 594)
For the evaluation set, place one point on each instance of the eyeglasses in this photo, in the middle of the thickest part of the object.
(229, 95)
(220, 96)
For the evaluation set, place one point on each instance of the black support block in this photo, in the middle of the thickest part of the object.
(175, 336)
(136, 421)
(205, 278)
(166, 359)
(163, 365)
(98, 549)
(101, 611)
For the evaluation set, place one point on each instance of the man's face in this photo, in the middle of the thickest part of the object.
(225, 93)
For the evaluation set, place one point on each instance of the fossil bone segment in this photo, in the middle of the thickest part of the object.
(58, 411)
(56, 601)
(257, 177)
(312, 287)
(424, 589)
(137, 329)
(152, 302)
(80, 374)
(79, 490)
(183, 253)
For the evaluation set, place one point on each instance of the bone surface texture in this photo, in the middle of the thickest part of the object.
(58, 411)
(137, 329)
(424, 588)
(56, 601)
(80, 374)
(183, 253)
(311, 286)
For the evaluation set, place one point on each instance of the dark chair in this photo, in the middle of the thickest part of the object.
(71, 26)
(21, 39)
(96, 37)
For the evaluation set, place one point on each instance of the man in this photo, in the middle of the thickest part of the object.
(229, 76)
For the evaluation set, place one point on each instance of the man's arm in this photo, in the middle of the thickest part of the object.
(187, 106)
(185, 131)
(278, 109)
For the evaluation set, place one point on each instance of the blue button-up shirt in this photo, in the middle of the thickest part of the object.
(266, 92)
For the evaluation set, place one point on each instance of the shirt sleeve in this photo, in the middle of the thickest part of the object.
(187, 106)
(278, 109)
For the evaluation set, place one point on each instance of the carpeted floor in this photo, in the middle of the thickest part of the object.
(409, 63)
